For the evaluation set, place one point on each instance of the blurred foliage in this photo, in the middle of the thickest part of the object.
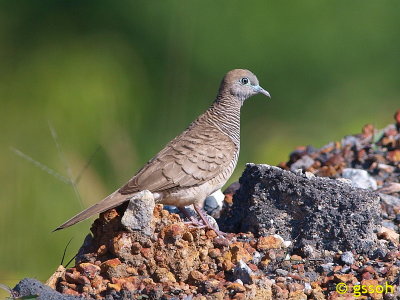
(130, 75)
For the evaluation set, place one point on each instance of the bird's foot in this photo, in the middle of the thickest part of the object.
(207, 223)
(220, 233)
(195, 224)
(199, 225)
(204, 223)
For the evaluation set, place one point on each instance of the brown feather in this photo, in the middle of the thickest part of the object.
(109, 202)
(185, 161)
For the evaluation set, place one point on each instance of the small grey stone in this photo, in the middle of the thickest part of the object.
(242, 272)
(213, 203)
(308, 250)
(345, 270)
(389, 296)
(239, 281)
(172, 209)
(139, 213)
(287, 244)
(360, 178)
(312, 275)
(307, 286)
(303, 163)
(387, 168)
(281, 272)
(390, 225)
(390, 200)
(347, 257)
(256, 257)
(309, 175)
(121, 295)
(210, 204)
(351, 140)
(378, 253)
(327, 268)
(298, 172)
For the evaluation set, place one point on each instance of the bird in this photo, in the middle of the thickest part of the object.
(197, 162)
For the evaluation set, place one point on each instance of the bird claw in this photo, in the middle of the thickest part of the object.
(195, 223)
(220, 233)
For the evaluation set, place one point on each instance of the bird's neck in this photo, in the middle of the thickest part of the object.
(225, 115)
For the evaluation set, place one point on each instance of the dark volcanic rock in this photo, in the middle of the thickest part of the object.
(32, 287)
(323, 213)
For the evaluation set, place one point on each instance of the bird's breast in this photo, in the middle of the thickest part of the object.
(189, 195)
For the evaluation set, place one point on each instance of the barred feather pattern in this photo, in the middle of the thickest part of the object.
(197, 162)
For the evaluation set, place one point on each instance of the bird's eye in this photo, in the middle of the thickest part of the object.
(244, 80)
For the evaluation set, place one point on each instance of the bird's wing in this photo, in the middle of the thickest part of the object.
(191, 159)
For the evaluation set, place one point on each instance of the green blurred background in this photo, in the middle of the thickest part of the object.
(127, 76)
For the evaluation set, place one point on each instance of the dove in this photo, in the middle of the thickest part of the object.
(197, 162)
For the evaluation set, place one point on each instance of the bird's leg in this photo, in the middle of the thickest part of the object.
(193, 220)
(206, 222)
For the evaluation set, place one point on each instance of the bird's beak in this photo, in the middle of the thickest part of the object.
(260, 90)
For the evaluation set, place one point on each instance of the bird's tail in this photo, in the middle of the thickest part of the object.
(109, 202)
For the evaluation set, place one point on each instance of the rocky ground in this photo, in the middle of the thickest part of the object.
(294, 235)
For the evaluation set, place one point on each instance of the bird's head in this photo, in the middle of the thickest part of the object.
(242, 84)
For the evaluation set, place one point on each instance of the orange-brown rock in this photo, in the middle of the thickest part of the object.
(163, 275)
(236, 287)
(269, 242)
(214, 253)
(346, 278)
(113, 268)
(196, 277)
(239, 253)
(389, 235)
(370, 286)
(89, 270)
